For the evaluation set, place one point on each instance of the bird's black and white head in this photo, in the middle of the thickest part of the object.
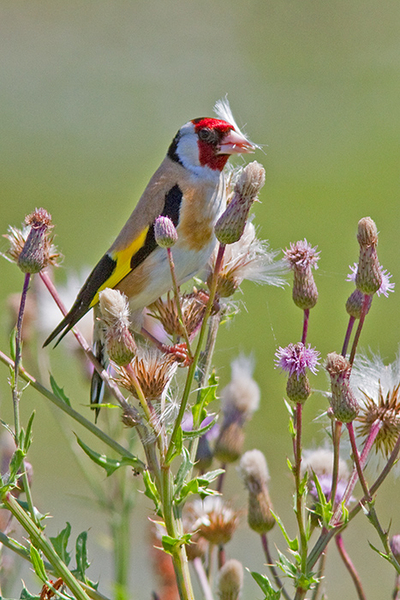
(207, 143)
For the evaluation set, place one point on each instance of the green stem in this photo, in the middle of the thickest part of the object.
(178, 552)
(373, 518)
(299, 495)
(24, 553)
(139, 465)
(320, 576)
(178, 303)
(336, 433)
(327, 535)
(40, 542)
(271, 566)
(193, 364)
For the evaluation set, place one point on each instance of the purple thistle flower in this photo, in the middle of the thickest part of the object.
(386, 285)
(296, 358)
(301, 255)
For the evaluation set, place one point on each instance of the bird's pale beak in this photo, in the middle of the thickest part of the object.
(235, 143)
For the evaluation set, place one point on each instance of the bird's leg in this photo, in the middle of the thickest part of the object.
(179, 350)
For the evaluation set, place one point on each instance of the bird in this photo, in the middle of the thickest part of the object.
(189, 188)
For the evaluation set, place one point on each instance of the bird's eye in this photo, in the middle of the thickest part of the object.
(208, 135)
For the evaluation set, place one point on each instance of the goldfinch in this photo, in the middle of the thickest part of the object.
(189, 188)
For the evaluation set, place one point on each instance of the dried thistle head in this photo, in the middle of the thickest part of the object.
(153, 370)
(193, 309)
(32, 248)
(215, 520)
(114, 311)
(249, 258)
(387, 411)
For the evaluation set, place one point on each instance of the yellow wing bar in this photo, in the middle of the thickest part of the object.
(123, 267)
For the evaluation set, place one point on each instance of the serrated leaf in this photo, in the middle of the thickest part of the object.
(199, 432)
(58, 391)
(28, 433)
(183, 470)
(265, 585)
(169, 543)
(81, 556)
(211, 475)
(151, 490)
(108, 464)
(15, 465)
(38, 564)
(293, 544)
(286, 566)
(60, 543)
(204, 397)
(289, 464)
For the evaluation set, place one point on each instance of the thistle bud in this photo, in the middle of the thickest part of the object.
(230, 226)
(254, 472)
(239, 399)
(120, 345)
(295, 359)
(298, 388)
(35, 254)
(369, 276)
(230, 580)
(164, 232)
(355, 302)
(343, 401)
(301, 258)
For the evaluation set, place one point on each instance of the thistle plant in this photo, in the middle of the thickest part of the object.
(168, 423)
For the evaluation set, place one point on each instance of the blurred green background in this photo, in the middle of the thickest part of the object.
(91, 95)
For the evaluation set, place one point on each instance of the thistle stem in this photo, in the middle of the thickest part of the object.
(40, 542)
(336, 434)
(139, 465)
(299, 495)
(348, 335)
(350, 567)
(320, 575)
(193, 365)
(178, 301)
(271, 566)
(305, 325)
(327, 535)
(202, 578)
(364, 310)
(356, 458)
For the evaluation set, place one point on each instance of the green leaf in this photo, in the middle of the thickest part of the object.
(183, 470)
(323, 507)
(151, 491)
(38, 564)
(26, 595)
(60, 543)
(170, 544)
(58, 391)
(293, 544)
(81, 556)
(15, 465)
(199, 432)
(288, 568)
(204, 397)
(13, 344)
(26, 436)
(108, 464)
(265, 585)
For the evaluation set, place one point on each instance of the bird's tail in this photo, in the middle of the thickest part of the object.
(97, 387)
